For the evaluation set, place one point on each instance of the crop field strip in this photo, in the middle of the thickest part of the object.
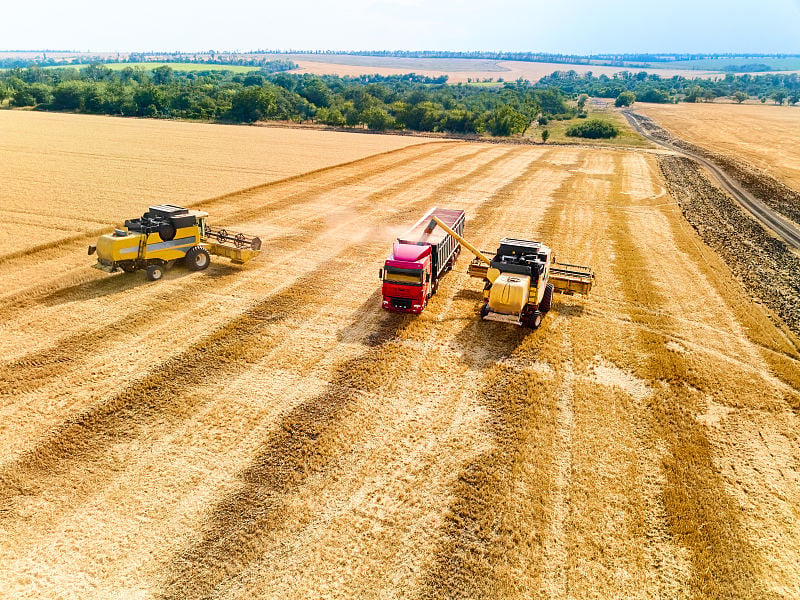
(383, 249)
(298, 441)
(173, 301)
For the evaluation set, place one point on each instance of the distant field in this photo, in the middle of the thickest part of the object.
(718, 64)
(765, 135)
(175, 66)
(64, 175)
(457, 70)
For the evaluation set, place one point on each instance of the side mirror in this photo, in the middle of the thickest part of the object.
(380, 273)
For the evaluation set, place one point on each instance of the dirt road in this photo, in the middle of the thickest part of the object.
(270, 432)
(782, 227)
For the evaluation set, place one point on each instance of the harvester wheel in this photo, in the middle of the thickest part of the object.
(547, 299)
(128, 267)
(531, 319)
(484, 310)
(197, 258)
(155, 272)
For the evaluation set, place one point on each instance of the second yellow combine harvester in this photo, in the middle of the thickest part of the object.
(166, 234)
(520, 279)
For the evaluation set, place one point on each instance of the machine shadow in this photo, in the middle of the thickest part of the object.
(302, 445)
(117, 283)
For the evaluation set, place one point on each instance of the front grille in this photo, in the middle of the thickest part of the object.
(401, 303)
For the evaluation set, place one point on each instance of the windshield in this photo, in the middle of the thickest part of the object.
(405, 276)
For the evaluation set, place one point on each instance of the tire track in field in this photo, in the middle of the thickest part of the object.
(298, 449)
(164, 393)
(231, 540)
(22, 298)
(479, 537)
(86, 436)
(31, 371)
(318, 184)
(363, 166)
(37, 369)
(700, 514)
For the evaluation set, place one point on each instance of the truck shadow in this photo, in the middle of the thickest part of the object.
(369, 324)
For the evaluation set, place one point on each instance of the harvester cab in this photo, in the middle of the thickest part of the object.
(520, 280)
(166, 234)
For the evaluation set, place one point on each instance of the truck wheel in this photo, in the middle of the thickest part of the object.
(197, 258)
(155, 272)
(128, 267)
(547, 299)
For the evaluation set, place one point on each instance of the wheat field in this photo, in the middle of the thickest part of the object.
(269, 432)
(65, 175)
(764, 135)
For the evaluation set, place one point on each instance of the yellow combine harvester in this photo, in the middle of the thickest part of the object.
(166, 234)
(521, 279)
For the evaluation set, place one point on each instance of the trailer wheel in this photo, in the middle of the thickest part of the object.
(197, 258)
(155, 272)
(547, 299)
(128, 266)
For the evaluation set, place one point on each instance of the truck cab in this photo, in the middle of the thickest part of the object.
(406, 276)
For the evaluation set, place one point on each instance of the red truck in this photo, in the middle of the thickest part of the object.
(419, 259)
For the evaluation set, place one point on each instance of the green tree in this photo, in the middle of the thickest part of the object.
(593, 129)
(316, 92)
(163, 75)
(653, 95)
(582, 101)
(545, 135)
(377, 118)
(779, 96)
(331, 116)
(794, 97)
(42, 93)
(505, 121)
(22, 97)
(252, 104)
(694, 94)
(68, 95)
(739, 96)
(625, 99)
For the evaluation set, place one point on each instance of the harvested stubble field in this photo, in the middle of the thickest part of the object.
(764, 135)
(269, 431)
(458, 69)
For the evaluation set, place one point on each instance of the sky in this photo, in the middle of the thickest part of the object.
(574, 27)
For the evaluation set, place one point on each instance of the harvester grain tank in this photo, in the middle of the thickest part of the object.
(166, 234)
(520, 279)
(419, 259)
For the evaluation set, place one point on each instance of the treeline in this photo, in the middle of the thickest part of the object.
(376, 102)
(597, 59)
(261, 62)
(651, 87)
